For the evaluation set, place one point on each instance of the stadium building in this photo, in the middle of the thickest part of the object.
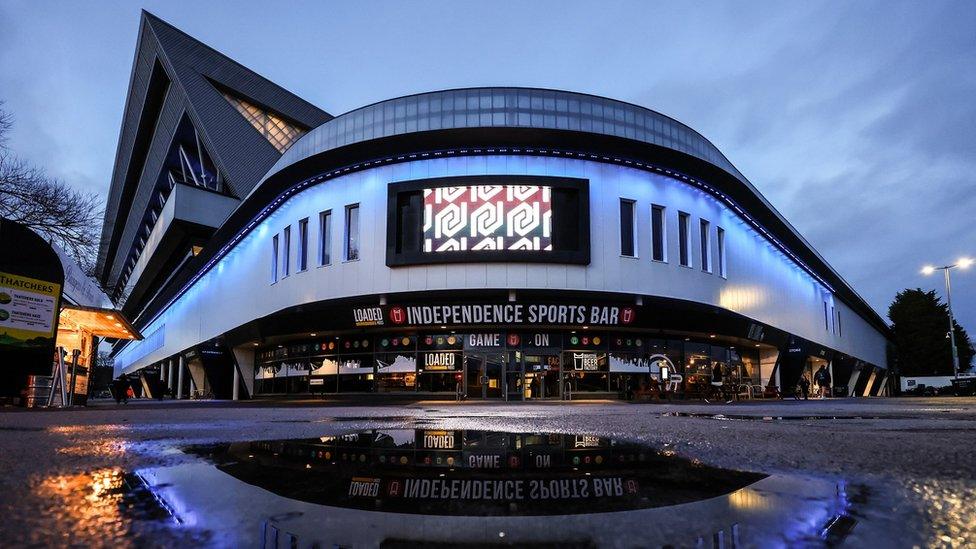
(506, 243)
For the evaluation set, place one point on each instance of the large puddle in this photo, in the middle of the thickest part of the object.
(407, 487)
(474, 473)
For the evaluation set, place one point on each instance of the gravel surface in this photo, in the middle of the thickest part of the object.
(915, 455)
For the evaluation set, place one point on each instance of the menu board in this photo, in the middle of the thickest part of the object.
(28, 309)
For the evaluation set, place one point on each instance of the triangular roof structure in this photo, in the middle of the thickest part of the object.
(176, 78)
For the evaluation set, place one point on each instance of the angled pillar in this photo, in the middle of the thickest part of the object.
(767, 366)
(870, 383)
(852, 382)
(244, 358)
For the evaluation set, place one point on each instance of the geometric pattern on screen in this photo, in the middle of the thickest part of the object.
(487, 217)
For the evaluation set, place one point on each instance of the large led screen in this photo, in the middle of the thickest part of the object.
(487, 217)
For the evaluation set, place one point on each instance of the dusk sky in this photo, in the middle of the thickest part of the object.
(857, 120)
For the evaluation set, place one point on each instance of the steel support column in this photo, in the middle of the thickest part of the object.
(179, 378)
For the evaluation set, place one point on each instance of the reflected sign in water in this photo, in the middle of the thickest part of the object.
(479, 473)
(398, 488)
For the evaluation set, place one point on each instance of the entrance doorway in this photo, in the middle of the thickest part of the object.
(485, 374)
(541, 375)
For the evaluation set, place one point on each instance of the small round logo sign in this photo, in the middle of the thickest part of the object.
(398, 315)
(627, 315)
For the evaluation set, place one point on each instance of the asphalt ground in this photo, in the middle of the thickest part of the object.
(914, 455)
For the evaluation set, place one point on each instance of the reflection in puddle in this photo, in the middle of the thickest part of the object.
(477, 473)
(772, 418)
(398, 488)
(102, 505)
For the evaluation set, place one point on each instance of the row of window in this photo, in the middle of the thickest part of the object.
(281, 243)
(835, 314)
(659, 250)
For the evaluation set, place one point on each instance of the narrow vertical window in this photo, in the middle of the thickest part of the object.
(826, 318)
(352, 232)
(721, 253)
(706, 251)
(840, 329)
(286, 253)
(684, 239)
(274, 259)
(303, 244)
(627, 247)
(833, 314)
(658, 237)
(325, 238)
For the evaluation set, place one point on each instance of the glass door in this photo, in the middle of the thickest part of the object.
(474, 370)
(541, 376)
(484, 374)
(494, 376)
(515, 381)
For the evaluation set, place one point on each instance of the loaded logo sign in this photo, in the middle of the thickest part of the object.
(364, 487)
(368, 316)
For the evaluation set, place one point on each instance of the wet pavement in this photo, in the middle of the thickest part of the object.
(876, 472)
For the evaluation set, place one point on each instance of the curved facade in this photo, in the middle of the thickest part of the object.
(508, 243)
(494, 242)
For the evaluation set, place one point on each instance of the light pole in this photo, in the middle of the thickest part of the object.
(962, 263)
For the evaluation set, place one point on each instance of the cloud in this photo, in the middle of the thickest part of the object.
(854, 119)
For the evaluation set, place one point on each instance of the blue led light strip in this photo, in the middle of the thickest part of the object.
(271, 207)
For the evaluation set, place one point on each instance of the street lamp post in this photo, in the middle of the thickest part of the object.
(962, 263)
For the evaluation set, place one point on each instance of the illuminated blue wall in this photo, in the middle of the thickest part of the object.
(762, 283)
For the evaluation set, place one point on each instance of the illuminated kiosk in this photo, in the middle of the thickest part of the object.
(502, 243)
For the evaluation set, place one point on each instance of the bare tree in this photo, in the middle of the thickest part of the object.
(6, 122)
(66, 216)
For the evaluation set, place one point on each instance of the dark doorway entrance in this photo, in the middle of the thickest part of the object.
(485, 374)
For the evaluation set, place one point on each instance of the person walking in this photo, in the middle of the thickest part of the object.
(823, 381)
(804, 387)
(120, 390)
(715, 384)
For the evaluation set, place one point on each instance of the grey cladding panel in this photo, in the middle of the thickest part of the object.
(240, 153)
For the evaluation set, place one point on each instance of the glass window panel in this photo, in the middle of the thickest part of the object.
(706, 256)
(352, 232)
(721, 252)
(274, 259)
(683, 235)
(657, 233)
(286, 252)
(325, 237)
(303, 244)
(627, 247)
(279, 133)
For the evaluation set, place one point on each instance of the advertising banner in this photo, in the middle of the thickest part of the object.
(28, 310)
(487, 217)
(506, 314)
